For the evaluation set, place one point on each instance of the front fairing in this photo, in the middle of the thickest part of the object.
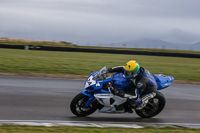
(96, 88)
(92, 85)
(97, 85)
(96, 76)
(89, 82)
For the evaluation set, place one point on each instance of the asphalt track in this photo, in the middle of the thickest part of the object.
(49, 99)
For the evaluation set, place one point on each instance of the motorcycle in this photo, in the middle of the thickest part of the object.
(98, 96)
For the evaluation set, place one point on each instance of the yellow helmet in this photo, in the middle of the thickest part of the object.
(132, 69)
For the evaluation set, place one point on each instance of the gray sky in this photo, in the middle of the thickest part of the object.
(101, 21)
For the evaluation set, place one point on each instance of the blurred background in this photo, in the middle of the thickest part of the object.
(69, 39)
(109, 23)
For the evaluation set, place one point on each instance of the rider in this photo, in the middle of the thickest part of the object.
(140, 77)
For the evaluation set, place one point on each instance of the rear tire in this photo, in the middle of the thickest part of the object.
(78, 108)
(153, 107)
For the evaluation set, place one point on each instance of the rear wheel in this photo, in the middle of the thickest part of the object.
(78, 108)
(153, 107)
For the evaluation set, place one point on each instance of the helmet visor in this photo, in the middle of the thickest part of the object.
(128, 74)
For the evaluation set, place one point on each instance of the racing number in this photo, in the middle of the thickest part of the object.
(89, 83)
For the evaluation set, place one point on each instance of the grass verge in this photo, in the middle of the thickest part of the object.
(78, 63)
(65, 129)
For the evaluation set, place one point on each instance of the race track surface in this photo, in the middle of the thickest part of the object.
(49, 99)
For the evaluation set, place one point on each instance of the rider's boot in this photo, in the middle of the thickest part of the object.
(135, 102)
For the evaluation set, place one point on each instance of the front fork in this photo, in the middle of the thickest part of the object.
(90, 99)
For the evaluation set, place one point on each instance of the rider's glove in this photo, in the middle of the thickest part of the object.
(109, 70)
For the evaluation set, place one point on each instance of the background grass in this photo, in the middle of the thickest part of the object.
(78, 63)
(65, 129)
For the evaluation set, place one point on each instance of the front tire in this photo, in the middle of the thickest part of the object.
(153, 107)
(78, 108)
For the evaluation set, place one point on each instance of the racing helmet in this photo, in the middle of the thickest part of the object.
(132, 69)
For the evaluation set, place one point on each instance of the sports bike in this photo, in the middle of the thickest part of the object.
(98, 95)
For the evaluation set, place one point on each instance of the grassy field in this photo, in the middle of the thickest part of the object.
(60, 44)
(77, 63)
(64, 129)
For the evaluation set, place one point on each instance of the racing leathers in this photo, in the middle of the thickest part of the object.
(144, 80)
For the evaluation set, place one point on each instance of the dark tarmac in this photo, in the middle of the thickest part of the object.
(48, 99)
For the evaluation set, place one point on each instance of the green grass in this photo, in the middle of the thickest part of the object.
(78, 63)
(93, 47)
(65, 129)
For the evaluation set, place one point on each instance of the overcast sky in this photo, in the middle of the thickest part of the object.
(101, 21)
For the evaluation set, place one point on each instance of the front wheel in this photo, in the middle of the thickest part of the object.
(153, 107)
(78, 108)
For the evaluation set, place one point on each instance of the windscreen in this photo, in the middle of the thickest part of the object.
(101, 74)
